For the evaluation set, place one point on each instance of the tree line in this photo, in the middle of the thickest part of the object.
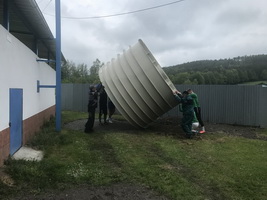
(224, 71)
(72, 73)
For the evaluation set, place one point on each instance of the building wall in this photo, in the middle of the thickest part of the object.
(19, 69)
(4, 145)
(34, 123)
(30, 127)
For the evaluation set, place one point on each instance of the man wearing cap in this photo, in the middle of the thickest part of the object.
(188, 111)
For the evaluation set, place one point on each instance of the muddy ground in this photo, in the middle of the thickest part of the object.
(114, 192)
(171, 126)
(164, 126)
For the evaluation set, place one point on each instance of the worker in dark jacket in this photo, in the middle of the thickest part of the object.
(92, 105)
(111, 110)
(188, 111)
(103, 105)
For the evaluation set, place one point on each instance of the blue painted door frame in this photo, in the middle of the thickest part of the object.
(15, 113)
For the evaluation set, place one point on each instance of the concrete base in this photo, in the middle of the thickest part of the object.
(26, 153)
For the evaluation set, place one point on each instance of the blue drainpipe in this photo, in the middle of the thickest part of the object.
(58, 67)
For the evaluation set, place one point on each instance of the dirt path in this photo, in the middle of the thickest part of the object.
(171, 126)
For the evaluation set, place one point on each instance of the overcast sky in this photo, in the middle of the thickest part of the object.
(182, 32)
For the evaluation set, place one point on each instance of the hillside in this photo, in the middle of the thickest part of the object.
(224, 71)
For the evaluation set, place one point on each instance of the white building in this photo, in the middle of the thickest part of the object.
(24, 38)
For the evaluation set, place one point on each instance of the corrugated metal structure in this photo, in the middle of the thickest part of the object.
(138, 86)
(230, 104)
(226, 104)
(74, 97)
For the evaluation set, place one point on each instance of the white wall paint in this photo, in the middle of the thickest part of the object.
(19, 69)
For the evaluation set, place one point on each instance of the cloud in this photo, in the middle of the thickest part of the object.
(186, 31)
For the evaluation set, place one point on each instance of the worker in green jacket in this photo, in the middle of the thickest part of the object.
(188, 111)
(195, 123)
(197, 109)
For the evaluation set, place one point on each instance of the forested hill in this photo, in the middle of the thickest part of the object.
(224, 71)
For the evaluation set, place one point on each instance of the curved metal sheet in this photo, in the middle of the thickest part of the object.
(137, 85)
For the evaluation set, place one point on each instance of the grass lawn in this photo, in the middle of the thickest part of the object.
(217, 167)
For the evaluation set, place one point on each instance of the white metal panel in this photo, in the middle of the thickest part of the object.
(137, 85)
(19, 69)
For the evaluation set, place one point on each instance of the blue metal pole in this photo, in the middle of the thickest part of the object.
(58, 67)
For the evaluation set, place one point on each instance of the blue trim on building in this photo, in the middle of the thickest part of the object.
(45, 60)
(16, 113)
(43, 86)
